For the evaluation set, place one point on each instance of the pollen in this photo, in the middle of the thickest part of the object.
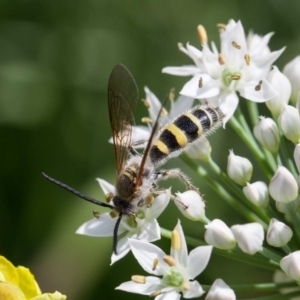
(200, 84)
(146, 120)
(186, 286)
(146, 103)
(138, 279)
(175, 240)
(235, 77)
(258, 87)
(247, 59)
(202, 34)
(169, 260)
(236, 45)
(221, 59)
(155, 263)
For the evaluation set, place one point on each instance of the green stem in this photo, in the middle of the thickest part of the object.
(253, 112)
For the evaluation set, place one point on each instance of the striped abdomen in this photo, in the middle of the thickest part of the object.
(186, 129)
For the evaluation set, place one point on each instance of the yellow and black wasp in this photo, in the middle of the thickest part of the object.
(136, 173)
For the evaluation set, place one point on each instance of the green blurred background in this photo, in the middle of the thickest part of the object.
(55, 61)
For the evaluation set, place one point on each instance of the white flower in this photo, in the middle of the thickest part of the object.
(177, 269)
(282, 86)
(283, 186)
(297, 156)
(144, 227)
(278, 234)
(289, 123)
(290, 264)
(218, 76)
(200, 150)
(220, 291)
(266, 132)
(219, 235)
(249, 237)
(239, 168)
(191, 205)
(257, 193)
(292, 71)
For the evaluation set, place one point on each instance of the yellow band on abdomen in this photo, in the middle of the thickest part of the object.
(179, 134)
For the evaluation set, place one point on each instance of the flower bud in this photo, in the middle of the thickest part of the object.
(278, 234)
(282, 86)
(283, 186)
(289, 123)
(191, 205)
(219, 235)
(266, 132)
(282, 207)
(257, 193)
(292, 71)
(220, 290)
(290, 264)
(297, 157)
(239, 169)
(200, 150)
(249, 237)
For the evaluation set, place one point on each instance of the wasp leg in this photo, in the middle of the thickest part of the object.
(175, 173)
(134, 145)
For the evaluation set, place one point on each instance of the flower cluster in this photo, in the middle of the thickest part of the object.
(269, 202)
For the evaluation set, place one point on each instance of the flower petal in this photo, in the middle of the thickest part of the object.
(182, 103)
(194, 291)
(172, 295)
(122, 249)
(150, 232)
(158, 206)
(106, 186)
(181, 71)
(104, 226)
(146, 253)
(181, 254)
(198, 260)
(228, 105)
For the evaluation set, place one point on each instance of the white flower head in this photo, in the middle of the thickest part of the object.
(220, 291)
(237, 68)
(249, 237)
(177, 269)
(145, 226)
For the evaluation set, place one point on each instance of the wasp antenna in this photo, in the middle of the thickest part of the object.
(73, 191)
(115, 238)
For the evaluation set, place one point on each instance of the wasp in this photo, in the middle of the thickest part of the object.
(136, 178)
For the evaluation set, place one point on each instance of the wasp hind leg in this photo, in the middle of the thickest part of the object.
(176, 173)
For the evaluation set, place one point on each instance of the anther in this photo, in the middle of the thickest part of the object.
(258, 87)
(146, 120)
(113, 214)
(221, 59)
(155, 263)
(186, 286)
(96, 214)
(146, 103)
(221, 26)
(156, 293)
(108, 197)
(175, 240)
(235, 77)
(200, 83)
(172, 94)
(202, 34)
(235, 45)
(138, 279)
(164, 112)
(247, 59)
(169, 260)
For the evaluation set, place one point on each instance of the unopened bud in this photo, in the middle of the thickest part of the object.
(257, 193)
(292, 71)
(290, 264)
(278, 234)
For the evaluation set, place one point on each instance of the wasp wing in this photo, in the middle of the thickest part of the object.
(122, 98)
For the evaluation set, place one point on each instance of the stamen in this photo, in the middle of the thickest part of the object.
(235, 77)
(175, 240)
(113, 214)
(200, 83)
(202, 34)
(172, 94)
(221, 59)
(180, 46)
(146, 103)
(146, 120)
(108, 197)
(164, 112)
(186, 286)
(149, 200)
(156, 293)
(155, 263)
(96, 214)
(258, 87)
(169, 260)
(235, 45)
(221, 26)
(138, 279)
(247, 59)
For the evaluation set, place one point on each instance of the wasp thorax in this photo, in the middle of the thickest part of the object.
(125, 184)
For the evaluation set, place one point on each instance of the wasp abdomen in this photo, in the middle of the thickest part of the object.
(184, 130)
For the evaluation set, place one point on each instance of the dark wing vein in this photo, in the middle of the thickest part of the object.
(122, 98)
